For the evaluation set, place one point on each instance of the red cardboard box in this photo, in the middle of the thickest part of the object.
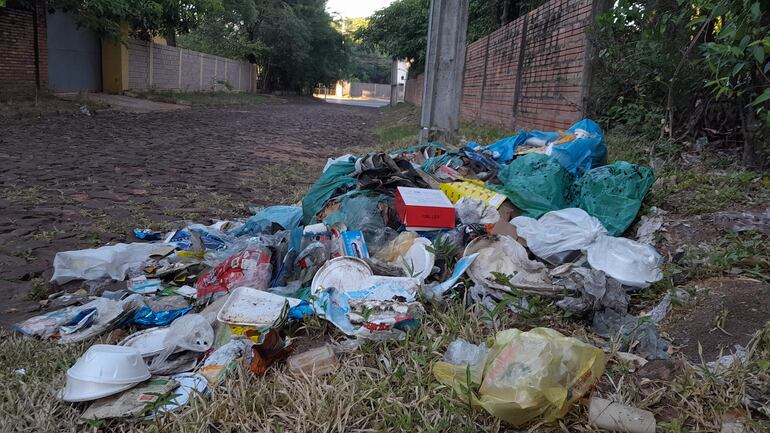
(424, 208)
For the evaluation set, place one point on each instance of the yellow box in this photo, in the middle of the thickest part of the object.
(473, 189)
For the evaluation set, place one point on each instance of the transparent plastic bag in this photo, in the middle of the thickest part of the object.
(526, 375)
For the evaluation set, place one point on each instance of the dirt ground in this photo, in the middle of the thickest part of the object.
(720, 311)
(72, 182)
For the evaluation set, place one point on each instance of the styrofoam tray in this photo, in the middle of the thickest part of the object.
(252, 307)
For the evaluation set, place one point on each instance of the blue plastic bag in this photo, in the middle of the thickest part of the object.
(582, 154)
(288, 217)
(146, 317)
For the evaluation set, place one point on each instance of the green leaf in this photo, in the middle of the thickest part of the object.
(763, 364)
(756, 14)
(744, 42)
(765, 96)
(737, 68)
(759, 53)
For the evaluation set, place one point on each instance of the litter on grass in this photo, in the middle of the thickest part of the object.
(374, 238)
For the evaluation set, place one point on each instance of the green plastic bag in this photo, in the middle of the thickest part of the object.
(614, 193)
(526, 375)
(333, 180)
(536, 184)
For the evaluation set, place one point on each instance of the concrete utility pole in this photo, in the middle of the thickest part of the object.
(444, 68)
(394, 83)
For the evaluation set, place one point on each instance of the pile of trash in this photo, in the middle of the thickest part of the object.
(374, 239)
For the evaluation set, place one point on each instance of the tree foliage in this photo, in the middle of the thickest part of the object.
(294, 42)
(400, 30)
(145, 18)
(686, 69)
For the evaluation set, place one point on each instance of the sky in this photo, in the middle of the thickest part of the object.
(356, 8)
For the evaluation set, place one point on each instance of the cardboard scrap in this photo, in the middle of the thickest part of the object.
(133, 402)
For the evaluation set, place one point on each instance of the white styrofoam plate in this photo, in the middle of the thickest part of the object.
(342, 273)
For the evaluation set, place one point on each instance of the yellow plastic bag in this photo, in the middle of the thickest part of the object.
(526, 375)
(397, 248)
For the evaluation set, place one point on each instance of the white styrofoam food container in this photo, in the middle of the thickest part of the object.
(252, 307)
(108, 364)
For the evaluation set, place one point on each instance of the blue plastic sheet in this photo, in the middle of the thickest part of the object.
(288, 217)
(576, 156)
(504, 149)
(146, 317)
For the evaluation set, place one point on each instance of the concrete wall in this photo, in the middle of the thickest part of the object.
(19, 72)
(529, 73)
(152, 66)
(369, 90)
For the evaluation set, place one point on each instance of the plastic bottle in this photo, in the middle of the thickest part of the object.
(318, 361)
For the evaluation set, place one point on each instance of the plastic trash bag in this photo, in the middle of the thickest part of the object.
(475, 211)
(250, 268)
(526, 375)
(502, 150)
(362, 211)
(344, 158)
(335, 179)
(586, 151)
(632, 263)
(146, 317)
(461, 352)
(557, 231)
(536, 184)
(95, 263)
(503, 255)
(614, 193)
(191, 332)
(288, 217)
(397, 248)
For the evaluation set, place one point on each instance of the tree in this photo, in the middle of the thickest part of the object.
(294, 42)
(738, 59)
(400, 30)
(145, 18)
(686, 69)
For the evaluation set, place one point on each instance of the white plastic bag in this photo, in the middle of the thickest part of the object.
(474, 211)
(557, 231)
(94, 263)
(632, 263)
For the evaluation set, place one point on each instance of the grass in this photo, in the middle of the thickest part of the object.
(206, 99)
(389, 386)
(44, 104)
(745, 254)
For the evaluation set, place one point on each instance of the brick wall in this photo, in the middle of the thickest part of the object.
(18, 73)
(529, 73)
(413, 90)
(198, 72)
